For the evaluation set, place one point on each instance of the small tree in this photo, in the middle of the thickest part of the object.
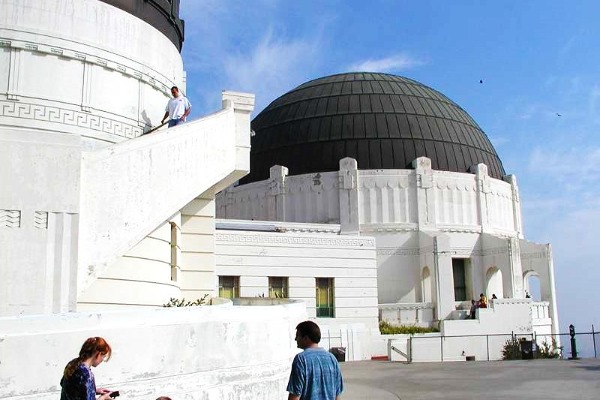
(511, 349)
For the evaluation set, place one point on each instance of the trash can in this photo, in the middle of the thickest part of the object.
(527, 350)
(339, 353)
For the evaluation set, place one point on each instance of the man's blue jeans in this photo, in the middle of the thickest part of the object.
(175, 121)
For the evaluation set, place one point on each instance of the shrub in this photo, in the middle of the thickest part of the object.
(549, 350)
(173, 302)
(388, 329)
(511, 349)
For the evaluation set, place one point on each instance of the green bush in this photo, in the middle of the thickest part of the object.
(388, 329)
(512, 349)
(173, 302)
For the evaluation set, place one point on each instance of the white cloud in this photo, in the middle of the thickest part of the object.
(395, 62)
(574, 167)
(272, 67)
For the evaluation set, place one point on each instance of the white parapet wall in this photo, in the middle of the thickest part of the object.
(386, 199)
(208, 352)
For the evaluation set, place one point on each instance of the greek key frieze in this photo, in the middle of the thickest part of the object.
(63, 116)
(394, 251)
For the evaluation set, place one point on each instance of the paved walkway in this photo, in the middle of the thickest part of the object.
(485, 380)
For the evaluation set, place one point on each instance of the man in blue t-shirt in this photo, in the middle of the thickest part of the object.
(315, 372)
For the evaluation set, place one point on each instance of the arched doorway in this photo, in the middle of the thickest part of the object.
(426, 285)
(531, 283)
(493, 279)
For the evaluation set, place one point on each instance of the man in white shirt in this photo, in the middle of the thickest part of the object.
(178, 108)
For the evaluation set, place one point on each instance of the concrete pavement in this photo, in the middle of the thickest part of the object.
(489, 380)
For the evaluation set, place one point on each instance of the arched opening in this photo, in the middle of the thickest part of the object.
(493, 279)
(426, 285)
(531, 283)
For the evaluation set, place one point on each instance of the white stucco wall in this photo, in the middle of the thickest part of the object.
(209, 352)
(301, 256)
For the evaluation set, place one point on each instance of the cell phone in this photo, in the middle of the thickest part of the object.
(114, 394)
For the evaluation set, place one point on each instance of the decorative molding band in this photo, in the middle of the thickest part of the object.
(68, 117)
(162, 83)
(538, 255)
(10, 219)
(393, 251)
(496, 251)
(406, 306)
(387, 229)
(293, 240)
(40, 220)
(462, 252)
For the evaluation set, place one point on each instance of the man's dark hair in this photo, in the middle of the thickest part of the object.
(175, 87)
(310, 329)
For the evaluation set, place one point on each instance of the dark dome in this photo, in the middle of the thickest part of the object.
(383, 121)
(161, 14)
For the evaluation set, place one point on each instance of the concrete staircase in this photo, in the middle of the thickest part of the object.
(130, 188)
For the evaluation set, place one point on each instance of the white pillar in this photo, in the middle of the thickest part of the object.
(349, 210)
(425, 200)
(276, 196)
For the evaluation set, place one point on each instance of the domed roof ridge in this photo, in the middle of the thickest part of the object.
(384, 121)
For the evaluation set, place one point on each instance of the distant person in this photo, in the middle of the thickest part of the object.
(473, 309)
(315, 372)
(164, 398)
(78, 381)
(483, 302)
(527, 295)
(178, 108)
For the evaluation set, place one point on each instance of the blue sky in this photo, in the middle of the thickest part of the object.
(539, 102)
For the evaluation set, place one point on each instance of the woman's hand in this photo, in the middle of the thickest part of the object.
(105, 396)
(102, 391)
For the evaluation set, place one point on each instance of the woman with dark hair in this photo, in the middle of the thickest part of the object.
(78, 380)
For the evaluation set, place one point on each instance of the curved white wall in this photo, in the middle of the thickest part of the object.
(83, 67)
(388, 200)
(192, 353)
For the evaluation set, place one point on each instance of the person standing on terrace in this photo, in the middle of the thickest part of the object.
(178, 108)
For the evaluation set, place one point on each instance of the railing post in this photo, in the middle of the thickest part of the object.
(487, 344)
(442, 348)
(594, 340)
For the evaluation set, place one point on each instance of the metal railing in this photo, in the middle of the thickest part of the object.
(496, 346)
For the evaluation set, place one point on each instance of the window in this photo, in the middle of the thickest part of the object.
(229, 287)
(325, 306)
(278, 287)
(460, 283)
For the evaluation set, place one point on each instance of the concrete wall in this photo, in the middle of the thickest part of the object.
(209, 352)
